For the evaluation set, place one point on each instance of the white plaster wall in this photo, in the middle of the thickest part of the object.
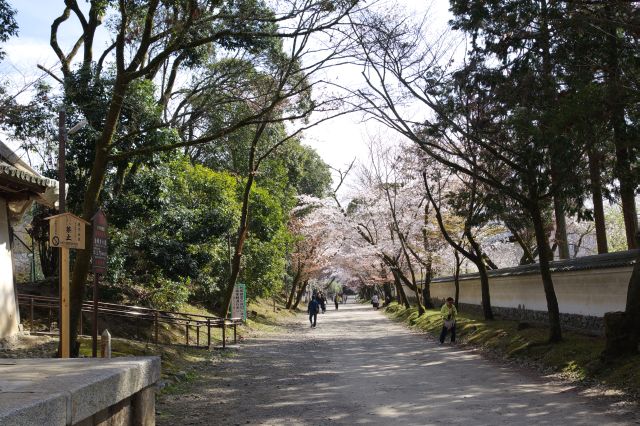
(8, 315)
(588, 292)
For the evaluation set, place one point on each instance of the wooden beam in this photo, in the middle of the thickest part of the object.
(65, 347)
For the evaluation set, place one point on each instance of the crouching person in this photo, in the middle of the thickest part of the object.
(449, 314)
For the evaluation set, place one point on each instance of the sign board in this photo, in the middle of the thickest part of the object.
(100, 243)
(67, 230)
(239, 302)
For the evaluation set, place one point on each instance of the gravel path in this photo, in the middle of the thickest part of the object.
(358, 367)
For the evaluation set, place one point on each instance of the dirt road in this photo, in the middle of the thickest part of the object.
(358, 367)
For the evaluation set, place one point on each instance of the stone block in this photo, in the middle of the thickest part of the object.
(72, 391)
(144, 407)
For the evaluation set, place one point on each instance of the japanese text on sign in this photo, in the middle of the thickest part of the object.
(239, 302)
(100, 243)
(67, 230)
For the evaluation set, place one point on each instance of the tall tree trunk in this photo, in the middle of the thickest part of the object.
(426, 289)
(89, 207)
(561, 229)
(386, 288)
(303, 289)
(622, 329)
(243, 228)
(405, 252)
(632, 310)
(555, 332)
(294, 285)
(292, 293)
(549, 96)
(400, 290)
(474, 254)
(456, 276)
(419, 300)
(484, 278)
(616, 105)
(598, 208)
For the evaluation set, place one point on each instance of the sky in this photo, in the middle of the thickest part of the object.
(338, 141)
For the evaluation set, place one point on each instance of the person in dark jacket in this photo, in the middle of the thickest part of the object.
(323, 302)
(313, 308)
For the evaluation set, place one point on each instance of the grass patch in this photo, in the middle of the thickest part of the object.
(261, 315)
(179, 363)
(577, 356)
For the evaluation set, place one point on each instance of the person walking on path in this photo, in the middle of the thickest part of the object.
(449, 314)
(337, 300)
(323, 302)
(313, 308)
(375, 301)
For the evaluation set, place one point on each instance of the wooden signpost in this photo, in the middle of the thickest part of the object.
(99, 267)
(66, 231)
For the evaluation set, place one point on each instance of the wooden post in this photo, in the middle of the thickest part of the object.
(224, 333)
(31, 313)
(187, 333)
(208, 333)
(64, 252)
(49, 317)
(235, 338)
(198, 335)
(155, 320)
(65, 343)
(94, 328)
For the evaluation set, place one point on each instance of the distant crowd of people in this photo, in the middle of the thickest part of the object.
(448, 311)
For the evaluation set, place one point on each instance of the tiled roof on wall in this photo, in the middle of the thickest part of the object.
(599, 261)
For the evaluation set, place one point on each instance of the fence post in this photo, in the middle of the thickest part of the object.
(155, 321)
(31, 313)
(235, 338)
(198, 335)
(187, 332)
(224, 333)
(208, 332)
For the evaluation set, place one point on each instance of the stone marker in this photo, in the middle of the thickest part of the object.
(105, 344)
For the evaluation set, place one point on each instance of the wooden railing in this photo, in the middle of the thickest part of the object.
(189, 321)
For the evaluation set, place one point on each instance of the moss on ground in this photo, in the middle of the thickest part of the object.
(577, 356)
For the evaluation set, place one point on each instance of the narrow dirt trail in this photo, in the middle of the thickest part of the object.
(358, 367)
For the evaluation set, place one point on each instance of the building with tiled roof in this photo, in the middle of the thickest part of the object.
(20, 186)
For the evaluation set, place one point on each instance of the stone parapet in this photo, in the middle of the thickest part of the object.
(115, 391)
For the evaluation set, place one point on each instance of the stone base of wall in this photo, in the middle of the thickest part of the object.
(137, 410)
(583, 323)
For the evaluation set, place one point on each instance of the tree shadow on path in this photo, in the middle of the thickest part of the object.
(358, 367)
